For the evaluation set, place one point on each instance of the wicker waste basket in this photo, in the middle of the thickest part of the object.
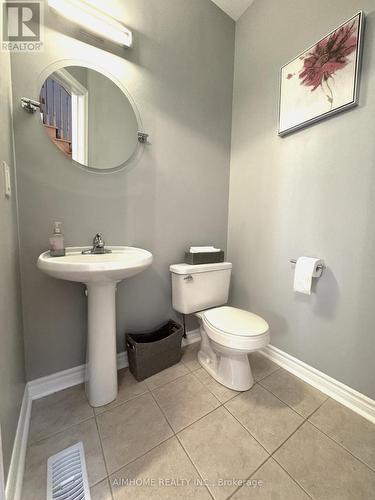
(152, 352)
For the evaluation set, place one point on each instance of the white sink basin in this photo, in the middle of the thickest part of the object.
(122, 263)
(100, 273)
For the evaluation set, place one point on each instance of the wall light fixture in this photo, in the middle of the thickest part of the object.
(93, 20)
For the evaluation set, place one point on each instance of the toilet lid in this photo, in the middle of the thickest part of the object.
(235, 321)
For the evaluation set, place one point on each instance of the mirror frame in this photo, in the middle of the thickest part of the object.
(134, 158)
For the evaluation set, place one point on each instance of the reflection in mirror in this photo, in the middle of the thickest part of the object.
(89, 118)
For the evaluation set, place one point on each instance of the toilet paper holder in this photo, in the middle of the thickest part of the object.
(320, 267)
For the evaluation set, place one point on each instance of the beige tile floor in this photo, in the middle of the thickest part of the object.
(180, 434)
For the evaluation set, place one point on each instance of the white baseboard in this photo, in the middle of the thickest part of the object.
(13, 488)
(122, 360)
(191, 337)
(354, 400)
(36, 389)
(2, 480)
(55, 382)
(44, 386)
(41, 387)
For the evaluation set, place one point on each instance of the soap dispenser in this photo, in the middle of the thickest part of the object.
(56, 242)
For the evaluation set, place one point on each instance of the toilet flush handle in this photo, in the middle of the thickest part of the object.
(189, 277)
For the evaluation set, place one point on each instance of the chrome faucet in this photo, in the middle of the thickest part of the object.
(98, 245)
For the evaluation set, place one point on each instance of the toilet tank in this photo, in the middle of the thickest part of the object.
(195, 288)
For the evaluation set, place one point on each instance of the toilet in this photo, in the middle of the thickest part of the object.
(228, 334)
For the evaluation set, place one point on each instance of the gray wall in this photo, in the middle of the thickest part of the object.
(180, 74)
(79, 73)
(310, 193)
(12, 376)
(112, 124)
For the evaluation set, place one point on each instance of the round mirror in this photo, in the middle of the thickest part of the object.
(89, 118)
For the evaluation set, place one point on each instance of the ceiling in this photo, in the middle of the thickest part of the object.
(234, 8)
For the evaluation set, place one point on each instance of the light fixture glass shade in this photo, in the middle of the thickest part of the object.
(93, 20)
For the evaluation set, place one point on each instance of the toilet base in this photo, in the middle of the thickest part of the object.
(231, 370)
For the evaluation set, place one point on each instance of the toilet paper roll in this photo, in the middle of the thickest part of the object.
(306, 269)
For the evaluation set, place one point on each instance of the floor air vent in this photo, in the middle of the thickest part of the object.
(67, 475)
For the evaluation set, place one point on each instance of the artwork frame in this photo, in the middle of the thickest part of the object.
(308, 79)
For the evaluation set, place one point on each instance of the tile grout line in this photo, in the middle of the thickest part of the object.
(200, 418)
(271, 458)
(192, 423)
(307, 420)
(137, 458)
(238, 392)
(179, 376)
(183, 428)
(147, 391)
(104, 458)
(268, 374)
(175, 434)
(251, 475)
(287, 404)
(318, 408)
(292, 478)
(247, 430)
(94, 414)
(195, 467)
(59, 431)
(166, 383)
(143, 454)
(102, 448)
(284, 402)
(221, 404)
(304, 420)
(120, 403)
(284, 469)
(190, 369)
(271, 455)
(341, 446)
(150, 391)
(162, 412)
(206, 386)
(282, 444)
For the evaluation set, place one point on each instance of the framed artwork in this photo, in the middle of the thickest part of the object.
(322, 80)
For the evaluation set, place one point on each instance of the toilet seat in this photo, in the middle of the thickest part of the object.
(236, 328)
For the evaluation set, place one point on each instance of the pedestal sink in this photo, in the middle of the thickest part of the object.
(100, 273)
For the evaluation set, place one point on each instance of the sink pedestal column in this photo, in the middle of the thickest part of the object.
(101, 367)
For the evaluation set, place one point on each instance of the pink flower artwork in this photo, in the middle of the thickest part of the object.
(323, 79)
(327, 57)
